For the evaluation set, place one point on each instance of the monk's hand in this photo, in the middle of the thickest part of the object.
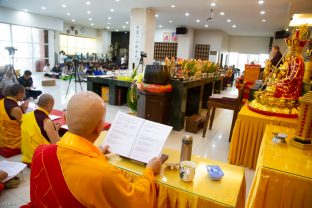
(155, 164)
(105, 149)
(57, 126)
(25, 105)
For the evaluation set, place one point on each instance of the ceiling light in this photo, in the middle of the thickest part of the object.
(127, 22)
(43, 8)
(89, 12)
(187, 14)
(73, 20)
(260, 2)
(123, 27)
(90, 19)
(107, 27)
(156, 15)
(262, 12)
(112, 10)
(68, 14)
(234, 26)
(92, 24)
(198, 20)
(170, 21)
(213, 4)
(25, 10)
(173, 6)
(88, 2)
(300, 19)
(221, 13)
(64, 5)
(263, 20)
(109, 18)
(228, 20)
(108, 23)
(160, 26)
(117, 0)
(117, 30)
(206, 25)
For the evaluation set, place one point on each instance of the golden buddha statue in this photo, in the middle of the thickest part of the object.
(284, 84)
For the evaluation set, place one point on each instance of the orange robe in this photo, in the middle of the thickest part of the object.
(89, 178)
(10, 130)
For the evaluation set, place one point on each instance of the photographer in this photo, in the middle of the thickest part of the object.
(27, 82)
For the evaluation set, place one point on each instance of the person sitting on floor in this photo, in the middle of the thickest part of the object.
(37, 128)
(11, 116)
(75, 173)
(27, 81)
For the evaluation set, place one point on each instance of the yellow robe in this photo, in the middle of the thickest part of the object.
(10, 130)
(96, 183)
(31, 136)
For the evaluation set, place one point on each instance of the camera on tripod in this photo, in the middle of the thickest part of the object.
(143, 54)
(11, 50)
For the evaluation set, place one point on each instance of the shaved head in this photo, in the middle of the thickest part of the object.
(46, 101)
(85, 115)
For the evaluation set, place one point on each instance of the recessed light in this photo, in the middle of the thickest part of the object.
(156, 15)
(173, 6)
(206, 25)
(263, 20)
(88, 2)
(107, 27)
(109, 18)
(160, 26)
(90, 19)
(187, 14)
(25, 10)
(43, 8)
(262, 12)
(68, 14)
(213, 4)
(170, 21)
(64, 5)
(198, 20)
(123, 27)
(117, 0)
(89, 12)
(112, 10)
(228, 20)
(234, 26)
(73, 20)
(221, 13)
(260, 2)
(117, 30)
(108, 23)
(127, 22)
(92, 24)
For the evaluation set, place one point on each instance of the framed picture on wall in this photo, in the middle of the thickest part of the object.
(166, 37)
(174, 37)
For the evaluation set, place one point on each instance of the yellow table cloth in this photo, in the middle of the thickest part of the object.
(283, 176)
(247, 135)
(172, 192)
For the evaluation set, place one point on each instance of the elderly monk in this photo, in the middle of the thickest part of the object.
(11, 116)
(75, 173)
(37, 128)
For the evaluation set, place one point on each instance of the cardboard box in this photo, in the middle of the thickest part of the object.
(105, 94)
(194, 123)
(48, 82)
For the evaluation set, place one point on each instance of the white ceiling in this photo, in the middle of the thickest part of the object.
(245, 14)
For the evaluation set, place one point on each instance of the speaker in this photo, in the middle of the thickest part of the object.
(281, 34)
(271, 43)
(181, 30)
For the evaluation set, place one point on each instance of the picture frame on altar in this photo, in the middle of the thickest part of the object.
(166, 37)
(174, 37)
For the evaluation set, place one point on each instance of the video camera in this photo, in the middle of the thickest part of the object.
(143, 54)
(11, 50)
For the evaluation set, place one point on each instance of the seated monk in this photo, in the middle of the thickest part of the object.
(75, 173)
(37, 128)
(11, 116)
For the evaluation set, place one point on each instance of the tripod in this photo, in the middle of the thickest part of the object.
(76, 75)
(11, 51)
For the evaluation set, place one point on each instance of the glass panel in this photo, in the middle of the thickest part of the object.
(233, 59)
(253, 58)
(263, 58)
(37, 35)
(5, 32)
(38, 50)
(21, 34)
(4, 54)
(24, 50)
(242, 60)
(23, 64)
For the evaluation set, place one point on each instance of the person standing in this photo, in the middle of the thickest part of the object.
(276, 56)
(27, 82)
(62, 59)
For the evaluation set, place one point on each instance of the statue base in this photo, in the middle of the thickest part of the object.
(301, 144)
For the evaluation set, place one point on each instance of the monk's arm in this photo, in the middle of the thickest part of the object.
(17, 113)
(51, 131)
(139, 193)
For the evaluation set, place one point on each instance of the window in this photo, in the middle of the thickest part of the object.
(239, 60)
(76, 45)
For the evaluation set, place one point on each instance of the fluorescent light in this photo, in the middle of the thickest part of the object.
(173, 6)
(90, 19)
(234, 26)
(206, 25)
(109, 18)
(187, 14)
(25, 10)
(89, 12)
(160, 26)
(92, 24)
(68, 14)
(127, 22)
(170, 21)
(43, 8)
(73, 20)
(221, 13)
(112, 10)
(64, 5)
(213, 4)
(88, 2)
(156, 15)
(301, 19)
(123, 27)
(262, 12)
(263, 20)
(198, 20)
(228, 20)
(260, 2)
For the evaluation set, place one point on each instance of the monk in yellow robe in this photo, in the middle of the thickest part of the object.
(75, 173)
(37, 128)
(11, 116)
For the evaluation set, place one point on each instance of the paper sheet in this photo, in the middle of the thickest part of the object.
(12, 168)
(64, 126)
(54, 117)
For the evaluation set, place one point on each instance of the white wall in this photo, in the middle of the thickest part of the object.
(185, 45)
(82, 30)
(15, 17)
(209, 37)
(160, 32)
(103, 41)
(249, 45)
(51, 47)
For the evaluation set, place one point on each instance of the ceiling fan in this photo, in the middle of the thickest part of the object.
(211, 16)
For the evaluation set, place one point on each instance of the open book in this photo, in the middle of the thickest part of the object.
(136, 138)
(12, 168)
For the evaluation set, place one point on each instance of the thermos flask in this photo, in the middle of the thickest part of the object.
(186, 148)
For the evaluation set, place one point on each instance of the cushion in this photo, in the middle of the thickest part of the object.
(6, 152)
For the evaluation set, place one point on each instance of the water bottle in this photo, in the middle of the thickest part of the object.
(186, 148)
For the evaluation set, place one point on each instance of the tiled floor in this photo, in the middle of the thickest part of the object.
(214, 146)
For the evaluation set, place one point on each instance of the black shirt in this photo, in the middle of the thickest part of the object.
(276, 59)
(24, 82)
(56, 69)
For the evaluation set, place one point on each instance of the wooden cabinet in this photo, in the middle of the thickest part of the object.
(153, 107)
